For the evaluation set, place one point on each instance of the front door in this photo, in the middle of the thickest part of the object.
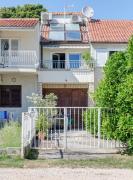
(58, 61)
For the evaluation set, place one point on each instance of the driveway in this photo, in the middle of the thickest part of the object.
(65, 174)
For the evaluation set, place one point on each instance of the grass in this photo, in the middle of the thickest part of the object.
(10, 135)
(122, 162)
(12, 162)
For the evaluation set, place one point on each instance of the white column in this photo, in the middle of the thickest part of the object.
(90, 92)
(39, 88)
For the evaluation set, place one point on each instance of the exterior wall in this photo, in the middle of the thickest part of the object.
(65, 76)
(28, 84)
(47, 53)
(101, 59)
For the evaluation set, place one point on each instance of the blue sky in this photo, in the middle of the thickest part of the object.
(104, 9)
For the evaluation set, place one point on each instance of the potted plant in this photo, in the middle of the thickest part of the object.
(41, 126)
(87, 59)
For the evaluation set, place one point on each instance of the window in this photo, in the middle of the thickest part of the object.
(111, 52)
(58, 61)
(73, 36)
(75, 60)
(7, 45)
(10, 96)
(72, 27)
(56, 35)
(4, 46)
(102, 56)
(57, 27)
(62, 32)
(14, 44)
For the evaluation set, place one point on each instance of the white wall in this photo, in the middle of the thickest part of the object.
(104, 49)
(65, 76)
(100, 53)
(47, 53)
(28, 39)
(28, 83)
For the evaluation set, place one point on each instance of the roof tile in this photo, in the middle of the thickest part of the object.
(18, 23)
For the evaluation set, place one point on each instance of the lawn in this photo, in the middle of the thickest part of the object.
(117, 161)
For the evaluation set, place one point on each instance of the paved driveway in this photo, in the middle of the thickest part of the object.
(65, 174)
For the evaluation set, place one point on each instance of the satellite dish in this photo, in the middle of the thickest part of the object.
(88, 12)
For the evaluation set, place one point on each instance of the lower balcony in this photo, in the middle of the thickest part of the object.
(19, 59)
(66, 71)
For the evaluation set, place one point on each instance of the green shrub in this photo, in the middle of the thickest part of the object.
(10, 135)
(107, 122)
(116, 91)
(91, 121)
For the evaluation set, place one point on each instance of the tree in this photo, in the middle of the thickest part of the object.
(116, 91)
(25, 11)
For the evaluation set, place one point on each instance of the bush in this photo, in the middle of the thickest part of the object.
(91, 121)
(107, 122)
(125, 112)
(10, 135)
(116, 91)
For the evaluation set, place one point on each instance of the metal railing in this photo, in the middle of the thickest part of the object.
(20, 59)
(67, 65)
(69, 128)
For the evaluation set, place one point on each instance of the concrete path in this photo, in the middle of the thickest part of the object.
(66, 174)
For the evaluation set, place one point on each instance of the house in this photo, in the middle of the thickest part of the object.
(63, 71)
(64, 37)
(47, 58)
(19, 60)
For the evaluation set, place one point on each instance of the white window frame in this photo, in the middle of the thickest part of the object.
(10, 43)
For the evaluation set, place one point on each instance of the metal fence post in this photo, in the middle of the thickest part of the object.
(65, 127)
(99, 127)
(22, 137)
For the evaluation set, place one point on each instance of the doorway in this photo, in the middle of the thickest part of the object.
(58, 60)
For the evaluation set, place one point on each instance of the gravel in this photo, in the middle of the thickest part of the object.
(65, 174)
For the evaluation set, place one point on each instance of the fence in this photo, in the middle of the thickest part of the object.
(68, 128)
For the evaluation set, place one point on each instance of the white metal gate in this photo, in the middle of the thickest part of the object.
(69, 128)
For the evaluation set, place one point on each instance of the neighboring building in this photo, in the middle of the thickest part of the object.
(19, 60)
(56, 64)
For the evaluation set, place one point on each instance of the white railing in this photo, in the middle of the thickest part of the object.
(67, 65)
(19, 59)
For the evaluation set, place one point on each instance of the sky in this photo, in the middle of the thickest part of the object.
(104, 9)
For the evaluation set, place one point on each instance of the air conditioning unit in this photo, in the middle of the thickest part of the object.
(46, 17)
(76, 19)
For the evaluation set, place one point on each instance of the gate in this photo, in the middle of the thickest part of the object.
(68, 128)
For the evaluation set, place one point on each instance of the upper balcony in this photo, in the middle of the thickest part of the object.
(72, 65)
(18, 60)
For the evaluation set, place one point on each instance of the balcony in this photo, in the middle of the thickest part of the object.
(66, 71)
(74, 65)
(19, 59)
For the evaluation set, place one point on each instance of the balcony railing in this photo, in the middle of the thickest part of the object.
(67, 65)
(18, 59)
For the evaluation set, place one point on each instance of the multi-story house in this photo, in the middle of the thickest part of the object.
(64, 38)
(19, 60)
(56, 63)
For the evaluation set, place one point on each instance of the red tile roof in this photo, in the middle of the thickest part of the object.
(110, 31)
(18, 23)
(101, 31)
